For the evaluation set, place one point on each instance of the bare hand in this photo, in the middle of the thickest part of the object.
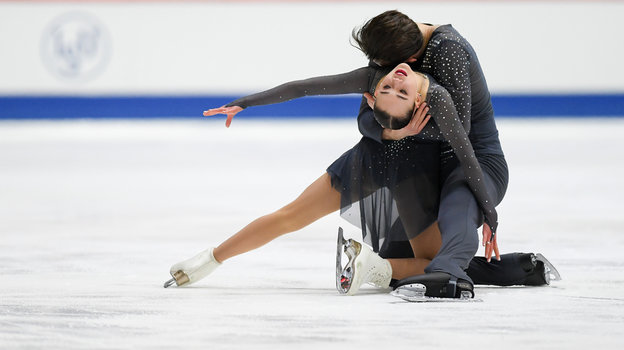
(490, 243)
(229, 111)
(415, 126)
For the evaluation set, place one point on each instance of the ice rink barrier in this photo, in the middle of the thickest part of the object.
(155, 59)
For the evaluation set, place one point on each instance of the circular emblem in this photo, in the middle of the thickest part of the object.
(75, 46)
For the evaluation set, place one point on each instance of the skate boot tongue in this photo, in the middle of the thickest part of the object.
(438, 285)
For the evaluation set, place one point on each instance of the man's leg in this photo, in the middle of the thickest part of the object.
(458, 220)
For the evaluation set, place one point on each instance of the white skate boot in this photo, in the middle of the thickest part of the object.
(192, 270)
(364, 266)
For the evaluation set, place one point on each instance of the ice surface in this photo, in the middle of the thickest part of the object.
(93, 213)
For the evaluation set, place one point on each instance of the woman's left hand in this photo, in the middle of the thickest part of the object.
(490, 243)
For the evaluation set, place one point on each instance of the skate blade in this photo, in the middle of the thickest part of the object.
(551, 272)
(179, 279)
(339, 245)
(344, 274)
(169, 283)
(415, 293)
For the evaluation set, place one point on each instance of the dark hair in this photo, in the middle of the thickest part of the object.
(389, 38)
(392, 122)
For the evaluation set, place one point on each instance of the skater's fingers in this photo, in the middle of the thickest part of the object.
(419, 119)
(419, 114)
(489, 241)
(214, 111)
(228, 121)
(422, 125)
(210, 112)
(495, 246)
(487, 234)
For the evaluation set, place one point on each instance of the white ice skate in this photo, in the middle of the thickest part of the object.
(364, 266)
(192, 270)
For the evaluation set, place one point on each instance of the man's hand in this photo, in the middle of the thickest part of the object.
(490, 243)
(415, 126)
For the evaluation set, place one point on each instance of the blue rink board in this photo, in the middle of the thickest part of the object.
(71, 107)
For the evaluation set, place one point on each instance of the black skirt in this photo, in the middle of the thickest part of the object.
(390, 190)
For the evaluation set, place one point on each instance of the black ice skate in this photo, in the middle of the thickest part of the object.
(546, 269)
(437, 286)
(364, 266)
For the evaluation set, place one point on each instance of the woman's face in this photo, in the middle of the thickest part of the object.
(397, 92)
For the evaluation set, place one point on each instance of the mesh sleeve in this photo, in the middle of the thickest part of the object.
(451, 68)
(352, 82)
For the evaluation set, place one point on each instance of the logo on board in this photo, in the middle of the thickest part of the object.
(76, 47)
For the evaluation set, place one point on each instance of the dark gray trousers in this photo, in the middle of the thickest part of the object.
(459, 218)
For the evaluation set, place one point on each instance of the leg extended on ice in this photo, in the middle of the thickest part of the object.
(192, 270)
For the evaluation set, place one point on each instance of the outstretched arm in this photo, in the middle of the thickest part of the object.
(352, 82)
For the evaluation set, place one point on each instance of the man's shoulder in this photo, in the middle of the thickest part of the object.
(437, 91)
(447, 34)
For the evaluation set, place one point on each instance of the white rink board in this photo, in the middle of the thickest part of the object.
(93, 213)
(235, 47)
